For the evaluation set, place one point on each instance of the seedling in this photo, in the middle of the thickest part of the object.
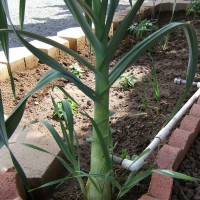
(142, 29)
(76, 70)
(194, 8)
(156, 91)
(59, 114)
(127, 80)
(144, 99)
(123, 154)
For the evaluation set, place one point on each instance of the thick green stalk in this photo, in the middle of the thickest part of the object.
(98, 161)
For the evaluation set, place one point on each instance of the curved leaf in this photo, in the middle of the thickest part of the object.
(77, 13)
(101, 140)
(55, 44)
(3, 134)
(63, 162)
(111, 12)
(120, 32)
(22, 5)
(141, 47)
(175, 175)
(90, 13)
(4, 42)
(16, 115)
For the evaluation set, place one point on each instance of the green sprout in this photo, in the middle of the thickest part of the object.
(59, 114)
(127, 80)
(76, 70)
(142, 29)
(156, 91)
(124, 154)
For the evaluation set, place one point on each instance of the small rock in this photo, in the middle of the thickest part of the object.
(190, 193)
(34, 96)
(89, 103)
(36, 103)
(196, 197)
(198, 149)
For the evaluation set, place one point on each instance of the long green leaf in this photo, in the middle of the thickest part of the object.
(175, 175)
(3, 134)
(20, 171)
(141, 47)
(52, 183)
(22, 5)
(16, 115)
(65, 93)
(111, 12)
(69, 115)
(63, 162)
(77, 13)
(97, 6)
(103, 10)
(4, 40)
(101, 140)
(55, 44)
(4, 141)
(4, 36)
(120, 32)
(89, 3)
(131, 183)
(59, 141)
(90, 13)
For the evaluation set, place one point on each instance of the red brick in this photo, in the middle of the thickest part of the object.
(11, 187)
(182, 139)
(147, 197)
(160, 186)
(168, 157)
(195, 110)
(191, 124)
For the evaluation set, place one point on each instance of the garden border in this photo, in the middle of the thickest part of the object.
(179, 142)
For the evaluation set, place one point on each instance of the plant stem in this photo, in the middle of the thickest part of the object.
(98, 161)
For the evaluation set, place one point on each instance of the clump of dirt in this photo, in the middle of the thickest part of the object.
(138, 115)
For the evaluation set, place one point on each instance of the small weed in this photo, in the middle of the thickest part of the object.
(124, 154)
(156, 91)
(144, 99)
(76, 70)
(127, 80)
(142, 29)
(194, 8)
(73, 106)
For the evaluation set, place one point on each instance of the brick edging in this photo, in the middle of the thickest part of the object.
(172, 154)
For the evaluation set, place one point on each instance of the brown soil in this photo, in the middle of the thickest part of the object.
(134, 126)
(188, 190)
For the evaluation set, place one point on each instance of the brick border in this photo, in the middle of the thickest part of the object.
(172, 154)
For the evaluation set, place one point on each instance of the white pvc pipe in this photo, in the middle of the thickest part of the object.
(162, 134)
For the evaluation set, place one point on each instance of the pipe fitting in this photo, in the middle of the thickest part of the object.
(180, 81)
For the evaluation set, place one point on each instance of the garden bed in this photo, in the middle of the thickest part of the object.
(137, 118)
